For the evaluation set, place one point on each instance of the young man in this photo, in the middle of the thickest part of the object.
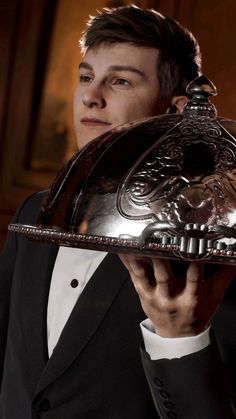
(69, 318)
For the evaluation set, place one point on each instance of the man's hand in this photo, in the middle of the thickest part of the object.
(178, 306)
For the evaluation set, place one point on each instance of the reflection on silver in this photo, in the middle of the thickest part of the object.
(164, 187)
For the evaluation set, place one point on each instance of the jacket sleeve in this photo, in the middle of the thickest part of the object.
(7, 266)
(193, 386)
(7, 263)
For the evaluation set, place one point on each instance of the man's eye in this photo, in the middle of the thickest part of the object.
(121, 82)
(85, 79)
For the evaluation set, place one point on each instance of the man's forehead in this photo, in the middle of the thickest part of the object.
(120, 56)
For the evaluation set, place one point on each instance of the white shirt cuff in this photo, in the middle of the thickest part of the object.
(159, 347)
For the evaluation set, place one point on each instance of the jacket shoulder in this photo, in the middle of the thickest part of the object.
(28, 211)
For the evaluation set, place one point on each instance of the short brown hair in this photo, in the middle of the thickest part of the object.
(179, 53)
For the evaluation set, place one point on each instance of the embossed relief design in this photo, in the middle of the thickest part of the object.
(188, 176)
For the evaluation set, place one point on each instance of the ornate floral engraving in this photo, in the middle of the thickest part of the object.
(189, 175)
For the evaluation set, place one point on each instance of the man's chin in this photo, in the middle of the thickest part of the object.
(83, 140)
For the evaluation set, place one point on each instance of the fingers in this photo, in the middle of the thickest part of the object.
(194, 275)
(164, 276)
(145, 278)
(125, 260)
(135, 264)
(217, 282)
(140, 272)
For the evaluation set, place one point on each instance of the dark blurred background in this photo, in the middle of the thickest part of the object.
(39, 57)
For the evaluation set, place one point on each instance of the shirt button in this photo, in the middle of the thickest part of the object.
(74, 283)
(44, 405)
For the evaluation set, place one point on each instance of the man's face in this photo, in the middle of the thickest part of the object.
(117, 84)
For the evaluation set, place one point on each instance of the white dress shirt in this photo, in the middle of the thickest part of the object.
(72, 270)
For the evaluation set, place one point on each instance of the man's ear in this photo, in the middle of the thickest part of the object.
(178, 104)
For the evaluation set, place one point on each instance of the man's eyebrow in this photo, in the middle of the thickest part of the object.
(87, 66)
(126, 68)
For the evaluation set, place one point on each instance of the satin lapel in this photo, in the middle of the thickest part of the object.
(86, 317)
(35, 288)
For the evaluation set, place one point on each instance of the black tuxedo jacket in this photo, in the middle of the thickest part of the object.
(96, 371)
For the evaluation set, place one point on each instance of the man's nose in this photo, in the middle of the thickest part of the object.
(94, 97)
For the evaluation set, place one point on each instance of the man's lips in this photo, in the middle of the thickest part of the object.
(93, 122)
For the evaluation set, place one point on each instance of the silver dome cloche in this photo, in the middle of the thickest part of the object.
(161, 187)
